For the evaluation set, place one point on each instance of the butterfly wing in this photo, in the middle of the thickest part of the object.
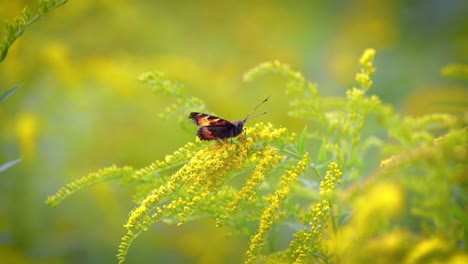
(211, 127)
(213, 132)
(204, 120)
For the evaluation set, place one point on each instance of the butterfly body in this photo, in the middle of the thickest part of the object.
(213, 127)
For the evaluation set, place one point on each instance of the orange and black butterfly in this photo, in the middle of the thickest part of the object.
(213, 127)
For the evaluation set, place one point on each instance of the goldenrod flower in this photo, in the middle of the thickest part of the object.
(274, 201)
(269, 159)
(309, 239)
(332, 177)
(363, 77)
(427, 157)
(112, 172)
(203, 177)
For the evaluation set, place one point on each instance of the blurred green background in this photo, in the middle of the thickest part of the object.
(82, 108)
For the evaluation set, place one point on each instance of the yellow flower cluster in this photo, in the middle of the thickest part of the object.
(201, 178)
(181, 155)
(275, 200)
(332, 177)
(354, 94)
(391, 161)
(205, 169)
(309, 239)
(265, 132)
(269, 159)
(363, 77)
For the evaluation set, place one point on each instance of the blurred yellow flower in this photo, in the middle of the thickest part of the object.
(458, 259)
(455, 71)
(389, 244)
(26, 132)
(432, 248)
(384, 200)
(57, 56)
(115, 73)
(373, 210)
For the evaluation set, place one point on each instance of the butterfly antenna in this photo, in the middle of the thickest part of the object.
(253, 110)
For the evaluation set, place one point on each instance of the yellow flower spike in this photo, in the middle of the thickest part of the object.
(389, 162)
(309, 240)
(138, 214)
(354, 94)
(169, 160)
(106, 174)
(267, 219)
(270, 159)
(367, 58)
(209, 166)
(363, 77)
(331, 178)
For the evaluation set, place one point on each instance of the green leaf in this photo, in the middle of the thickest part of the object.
(9, 92)
(7, 165)
(300, 141)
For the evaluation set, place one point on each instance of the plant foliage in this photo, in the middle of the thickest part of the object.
(360, 183)
(14, 29)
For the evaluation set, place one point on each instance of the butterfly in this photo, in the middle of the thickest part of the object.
(213, 127)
